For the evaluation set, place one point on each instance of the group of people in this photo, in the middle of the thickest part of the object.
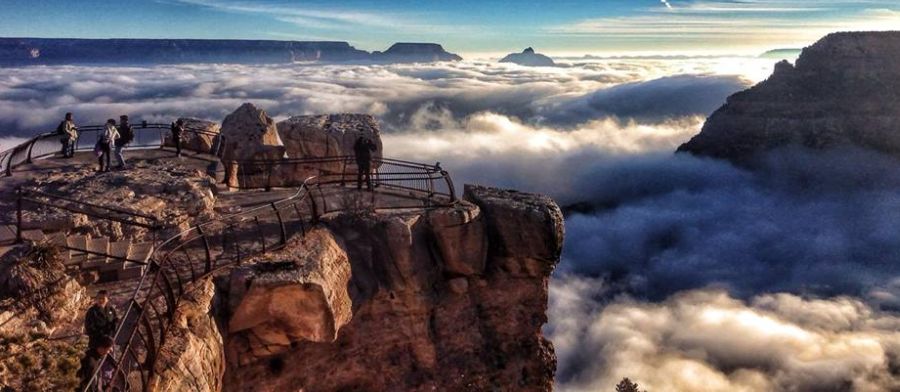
(100, 324)
(112, 139)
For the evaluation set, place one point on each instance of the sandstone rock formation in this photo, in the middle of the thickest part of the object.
(250, 134)
(443, 300)
(300, 297)
(175, 195)
(202, 140)
(529, 58)
(325, 136)
(844, 90)
(192, 357)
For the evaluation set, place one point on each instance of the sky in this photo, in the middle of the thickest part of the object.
(560, 27)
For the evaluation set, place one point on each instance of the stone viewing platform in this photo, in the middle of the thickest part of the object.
(257, 247)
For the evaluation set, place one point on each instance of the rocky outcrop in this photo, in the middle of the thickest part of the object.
(300, 297)
(844, 90)
(172, 194)
(192, 357)
(200, 138)
(326, 136)
(250, 134)
(448, 299)
(529, 58)
(406, 52)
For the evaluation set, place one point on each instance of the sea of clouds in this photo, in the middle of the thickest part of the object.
(682, 273)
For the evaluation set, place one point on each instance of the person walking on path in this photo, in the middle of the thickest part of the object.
(107, 141)
(126, 136)
(97, 357)
(177, 133)
(363, 149)
(101, 319)
(68, 134)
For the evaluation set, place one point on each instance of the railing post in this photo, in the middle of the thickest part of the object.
(19, 215)
(30, 147)
(280, 223)
(206, 249)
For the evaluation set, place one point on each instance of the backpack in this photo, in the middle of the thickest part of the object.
(61, 128)
(126, 134)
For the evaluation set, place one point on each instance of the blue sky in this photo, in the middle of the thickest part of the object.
(465, 26)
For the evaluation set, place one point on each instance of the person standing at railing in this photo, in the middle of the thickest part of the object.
(177, 133)
(68, 136)
(126, 136)
(363, 149)
(104, 146)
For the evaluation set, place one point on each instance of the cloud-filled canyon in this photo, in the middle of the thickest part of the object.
(676, 269)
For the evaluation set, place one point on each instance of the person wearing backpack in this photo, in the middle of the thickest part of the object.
(106, 143)
(177, 133)
(126, 136)
(68, 135)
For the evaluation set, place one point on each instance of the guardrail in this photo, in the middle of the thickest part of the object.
(213, 246)
(146, 135)
(387, 173)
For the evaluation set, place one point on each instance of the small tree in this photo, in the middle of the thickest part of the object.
(626, 385)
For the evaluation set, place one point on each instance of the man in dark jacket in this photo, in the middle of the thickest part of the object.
(177, 133)
(101, 319)
(126, 136)
(363, 149)
(94, 359)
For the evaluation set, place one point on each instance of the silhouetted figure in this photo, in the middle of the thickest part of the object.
(177, 132)
(68, 136)
(363, 149)
(94, 359)
(126, 136)
(101, 319)
(105, 144)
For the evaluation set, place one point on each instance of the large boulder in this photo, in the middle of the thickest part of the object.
(250, 134)
(200, 138)
(525, 231)
(301, 297)
(325, 136)
(844, 90)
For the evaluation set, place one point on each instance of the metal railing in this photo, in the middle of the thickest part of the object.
(146, 135)
(211, 247)
(393, 174)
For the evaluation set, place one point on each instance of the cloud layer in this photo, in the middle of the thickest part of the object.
(706, 340)
(402, 96)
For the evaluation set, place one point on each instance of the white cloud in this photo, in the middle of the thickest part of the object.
(706, 340)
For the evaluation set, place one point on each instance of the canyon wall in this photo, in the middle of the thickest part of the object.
(844, 90)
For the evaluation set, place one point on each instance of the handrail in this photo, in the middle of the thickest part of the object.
(147, 135)
(217, 245)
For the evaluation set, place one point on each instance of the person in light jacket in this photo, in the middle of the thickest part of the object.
(68, 134)
(106, 144)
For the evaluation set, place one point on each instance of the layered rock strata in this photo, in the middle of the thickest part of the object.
(448, 299)
(844, 90)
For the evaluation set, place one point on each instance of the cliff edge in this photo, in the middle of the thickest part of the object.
(843, 90)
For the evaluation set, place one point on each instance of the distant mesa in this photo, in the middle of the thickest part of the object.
(788, 54)
(407, 52)
(843, 90)
(65, 51)
(529, 58)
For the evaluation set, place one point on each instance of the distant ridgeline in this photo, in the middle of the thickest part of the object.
(57, 51)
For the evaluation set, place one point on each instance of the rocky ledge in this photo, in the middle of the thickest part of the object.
(844, 90)
(447, 299)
